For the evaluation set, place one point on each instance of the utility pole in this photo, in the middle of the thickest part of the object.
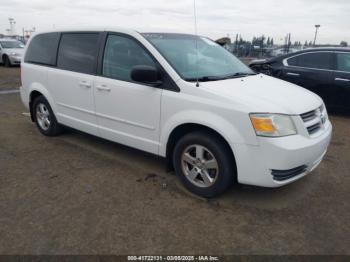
(289, 36)
(317, 27)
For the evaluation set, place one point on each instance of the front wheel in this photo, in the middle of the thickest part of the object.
(6, 61)
(204, 163)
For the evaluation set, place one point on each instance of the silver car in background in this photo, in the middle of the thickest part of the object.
(11, 52)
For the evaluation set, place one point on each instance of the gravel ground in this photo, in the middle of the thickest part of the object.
(78, 194)
(9, 78)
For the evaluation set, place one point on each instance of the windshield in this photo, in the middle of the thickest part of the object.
(11, 44)
(211, 61)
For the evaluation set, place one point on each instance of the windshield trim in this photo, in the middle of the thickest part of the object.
(217, 78)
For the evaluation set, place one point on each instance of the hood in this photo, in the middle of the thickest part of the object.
(19, 51)
(265, 94)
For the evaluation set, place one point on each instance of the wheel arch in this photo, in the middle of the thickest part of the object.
(185, 128)
(38, 90)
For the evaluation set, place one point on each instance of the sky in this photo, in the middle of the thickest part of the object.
(215, 18)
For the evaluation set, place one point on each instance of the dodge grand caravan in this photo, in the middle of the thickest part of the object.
(182, 97)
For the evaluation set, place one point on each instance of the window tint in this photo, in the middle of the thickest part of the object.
(293, 61)
(321, 60)
(43, 49)
(343, 62)
(121, 55)
(78, 52)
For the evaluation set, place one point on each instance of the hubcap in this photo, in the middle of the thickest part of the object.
(199, 166)
(43, 116)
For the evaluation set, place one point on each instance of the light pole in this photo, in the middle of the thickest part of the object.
(317, 27)
(12, 25)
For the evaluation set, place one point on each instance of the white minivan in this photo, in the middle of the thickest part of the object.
(179, 96)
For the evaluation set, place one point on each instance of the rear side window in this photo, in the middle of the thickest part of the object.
(343, 62)
(43, 49)
(321, 60)
(293, 61)
(78, 52)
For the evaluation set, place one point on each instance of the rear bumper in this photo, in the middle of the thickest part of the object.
(280, 161)
(24, 97)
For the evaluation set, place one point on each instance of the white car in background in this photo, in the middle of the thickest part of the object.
(11, 52)
(182, 97)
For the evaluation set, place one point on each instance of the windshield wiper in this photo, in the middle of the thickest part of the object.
(205, 79)
(240, 74)
(218, 78)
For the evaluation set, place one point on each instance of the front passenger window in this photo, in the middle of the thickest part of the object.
(121, 55)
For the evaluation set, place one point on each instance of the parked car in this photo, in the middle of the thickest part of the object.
(282, 51)
(325, 71)
(212, 117)
(11, 52)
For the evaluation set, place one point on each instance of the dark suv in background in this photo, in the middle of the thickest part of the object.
(324, 71)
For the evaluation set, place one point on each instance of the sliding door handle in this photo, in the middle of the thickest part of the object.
(342, 79)
(103, 88)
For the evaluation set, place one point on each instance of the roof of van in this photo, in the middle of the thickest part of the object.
(87, 29)
(101, 29)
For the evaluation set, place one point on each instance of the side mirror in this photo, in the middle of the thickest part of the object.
(146, 74)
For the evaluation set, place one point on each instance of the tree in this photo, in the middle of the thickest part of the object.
(268, 43)
(343, 44)
(310, 43)
(306, 44)
(271, 41)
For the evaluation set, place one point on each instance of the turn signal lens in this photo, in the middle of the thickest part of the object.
(263, 124)
(273, 125)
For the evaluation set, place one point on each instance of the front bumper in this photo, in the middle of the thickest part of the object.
(15, 60)
(256, 165)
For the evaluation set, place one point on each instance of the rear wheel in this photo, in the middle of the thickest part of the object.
(204, 164)
(6, 61)
(45, 118)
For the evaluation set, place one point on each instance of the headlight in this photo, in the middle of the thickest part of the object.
(273, 125)
(13, 54)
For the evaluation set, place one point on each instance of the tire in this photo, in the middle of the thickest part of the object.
(44, 117)
(204, 178)
(6, 61)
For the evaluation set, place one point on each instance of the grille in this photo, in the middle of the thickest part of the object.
(309, 116)
(282, 175)
(314, 128)
(314, 120)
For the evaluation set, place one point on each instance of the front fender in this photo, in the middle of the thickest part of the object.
(211, 120)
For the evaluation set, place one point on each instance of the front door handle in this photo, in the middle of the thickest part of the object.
(85, 84)
(292, 74)
(103, 88)
(342, 79)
